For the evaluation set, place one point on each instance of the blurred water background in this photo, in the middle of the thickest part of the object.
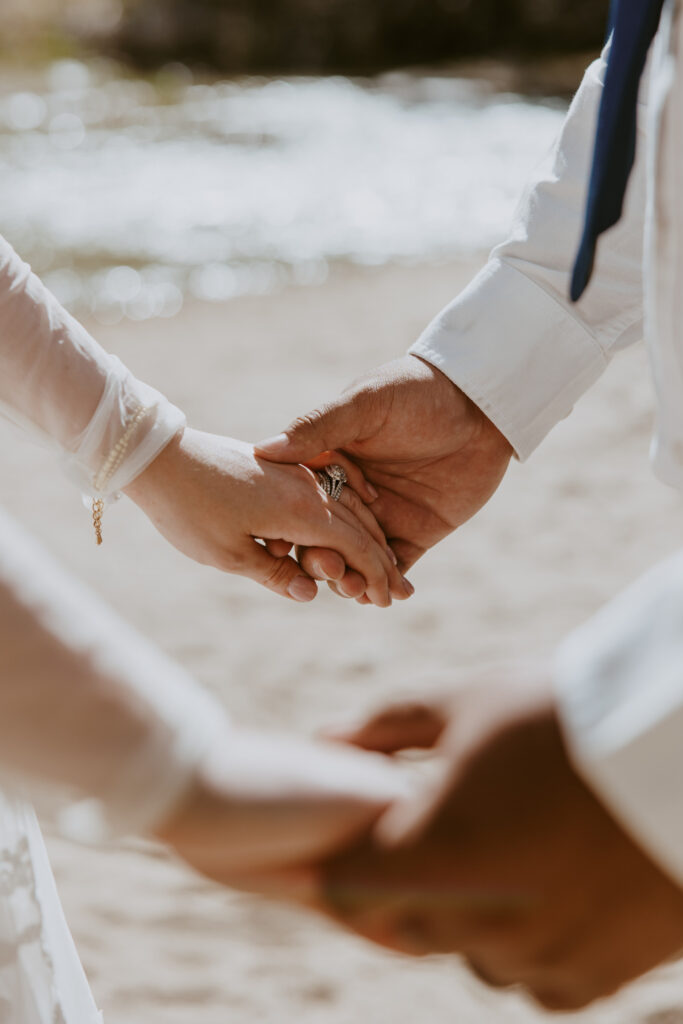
(129, 189)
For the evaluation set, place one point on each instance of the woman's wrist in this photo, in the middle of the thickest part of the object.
(159, 471)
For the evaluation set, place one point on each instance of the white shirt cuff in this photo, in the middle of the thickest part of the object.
(619, 686)
(514, 350)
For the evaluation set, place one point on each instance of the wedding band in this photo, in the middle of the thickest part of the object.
(332, 480)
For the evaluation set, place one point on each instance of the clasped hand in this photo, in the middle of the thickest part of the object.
(421, 458)
(504, 856)
(501, 855)
(220, 505)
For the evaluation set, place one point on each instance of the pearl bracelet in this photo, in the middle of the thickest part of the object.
(110, 465)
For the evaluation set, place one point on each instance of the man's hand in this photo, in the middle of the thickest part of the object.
(213, 500)
(431, 454)
(507, 859)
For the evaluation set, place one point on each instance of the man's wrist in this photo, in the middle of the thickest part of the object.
(483, 429)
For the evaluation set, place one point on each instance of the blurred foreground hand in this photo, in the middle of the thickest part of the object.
(507, 859)
(265, 810)
(431, 454)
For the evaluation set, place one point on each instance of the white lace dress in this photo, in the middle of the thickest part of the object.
(41, 978)
(88, 709)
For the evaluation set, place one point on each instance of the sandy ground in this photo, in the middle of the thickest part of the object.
(565, 531)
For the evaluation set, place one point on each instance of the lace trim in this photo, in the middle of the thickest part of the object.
(17, 880)
(16, 869)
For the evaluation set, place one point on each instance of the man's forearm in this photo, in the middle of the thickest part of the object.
(512, 341)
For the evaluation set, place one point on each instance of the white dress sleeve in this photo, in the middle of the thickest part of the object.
(86, 705)
(512, 340)
(88, 708)
(58, 383)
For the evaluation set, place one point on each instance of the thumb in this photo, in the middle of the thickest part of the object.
(284, 576)
(334, 425)
(407, 820)
(404, 726)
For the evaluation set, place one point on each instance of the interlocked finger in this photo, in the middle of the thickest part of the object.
(342, 532)
(351, 510)
(325, 564)
(363, 514)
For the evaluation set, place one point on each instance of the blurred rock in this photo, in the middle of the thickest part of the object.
(237, 36)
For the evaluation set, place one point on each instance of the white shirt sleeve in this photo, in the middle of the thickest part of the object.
(619, 678)
(512, 340)
(619, 683)
(87, 707)
(58, 383)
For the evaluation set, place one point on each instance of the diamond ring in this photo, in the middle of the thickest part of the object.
(332, 480)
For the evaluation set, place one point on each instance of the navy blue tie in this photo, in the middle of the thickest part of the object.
(633, 24)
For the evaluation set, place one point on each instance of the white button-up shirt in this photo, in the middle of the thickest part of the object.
(524, 353)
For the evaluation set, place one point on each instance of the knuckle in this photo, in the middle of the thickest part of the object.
(352, 501)
(363, 541)
(278, 574)
(310, 423)
(360, 393)
(230, 561)
(303, 508)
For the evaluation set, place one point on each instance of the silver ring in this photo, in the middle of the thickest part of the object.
(332, 480)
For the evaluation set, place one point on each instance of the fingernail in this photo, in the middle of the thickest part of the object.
(317, 570)
(300, 589)
(274, 444)
(408, 586)
(392, 556)
(371, 491)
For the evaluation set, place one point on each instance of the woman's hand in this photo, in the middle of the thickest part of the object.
(265, 809)
(214, 501)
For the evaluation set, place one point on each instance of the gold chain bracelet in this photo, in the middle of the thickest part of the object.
(97, 513)
(110, 465)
